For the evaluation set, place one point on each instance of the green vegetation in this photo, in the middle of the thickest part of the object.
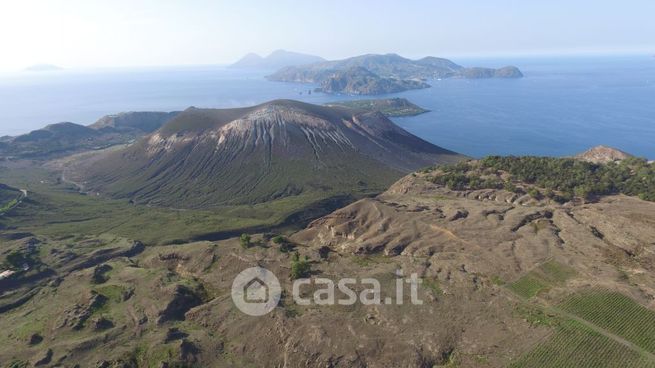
(285, 245)
(114, 293)
(9, 198)
(244, 240)
(536, 316)
(615, 313)
(391, 107)
(17, 364)
(300, 268)
(497, 280)
(576, 345)
(589, 341)
(528, 286)
(9, 205)
(58, 210)
(561, 178)
(543, 277)
(433, 285)
(17, 259)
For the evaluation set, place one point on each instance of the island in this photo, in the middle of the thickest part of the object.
(390, 107)
(360, 81)
(377, 74)
(277, 59)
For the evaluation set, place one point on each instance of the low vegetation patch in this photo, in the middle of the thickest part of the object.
(536, 316)
(541, 278)
(300, 268)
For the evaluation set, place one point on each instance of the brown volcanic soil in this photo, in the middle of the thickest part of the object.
(173, 304)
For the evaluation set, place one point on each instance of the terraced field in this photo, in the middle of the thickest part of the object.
(597, 328)
(617, 314)
(576, 345)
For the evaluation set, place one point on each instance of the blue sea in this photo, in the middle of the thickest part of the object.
(563, 106)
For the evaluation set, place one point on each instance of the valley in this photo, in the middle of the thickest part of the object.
(288, 184)
(111, 261)
(507, 280)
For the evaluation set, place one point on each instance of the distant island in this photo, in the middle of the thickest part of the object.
(42, 68)
(360, 81)
(386, 73)
(277, 59)
(390, 107)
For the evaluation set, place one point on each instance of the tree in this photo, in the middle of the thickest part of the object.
(245, 241)
(299, 268)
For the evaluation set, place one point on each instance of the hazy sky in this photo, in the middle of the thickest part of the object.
(92, 33)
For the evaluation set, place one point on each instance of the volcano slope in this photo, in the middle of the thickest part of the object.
(507, 280)
(208, 157)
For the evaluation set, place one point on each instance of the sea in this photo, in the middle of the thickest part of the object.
(563, 105)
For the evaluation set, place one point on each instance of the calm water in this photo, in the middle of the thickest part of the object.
(561, 107)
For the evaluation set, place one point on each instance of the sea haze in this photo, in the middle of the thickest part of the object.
(561, 107)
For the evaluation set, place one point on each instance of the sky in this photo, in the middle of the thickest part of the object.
(124, 33)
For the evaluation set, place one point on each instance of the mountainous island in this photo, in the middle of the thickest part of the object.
(277, 59)
(378, 74)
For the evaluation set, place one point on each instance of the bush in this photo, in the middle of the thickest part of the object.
(245, 241)
(300, 268)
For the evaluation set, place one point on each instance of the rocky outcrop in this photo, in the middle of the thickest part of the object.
(76, 316)
(603, 155)
(182, 298)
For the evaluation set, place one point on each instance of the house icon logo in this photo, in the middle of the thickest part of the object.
(256, 291)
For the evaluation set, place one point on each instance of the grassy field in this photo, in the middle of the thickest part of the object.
(615, 313)
(575, 345)
(56, 209)
(543, 277)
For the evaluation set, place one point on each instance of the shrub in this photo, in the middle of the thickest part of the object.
(245, 241)
(300, 268)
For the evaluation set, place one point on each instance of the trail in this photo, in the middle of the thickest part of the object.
(79, 186)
